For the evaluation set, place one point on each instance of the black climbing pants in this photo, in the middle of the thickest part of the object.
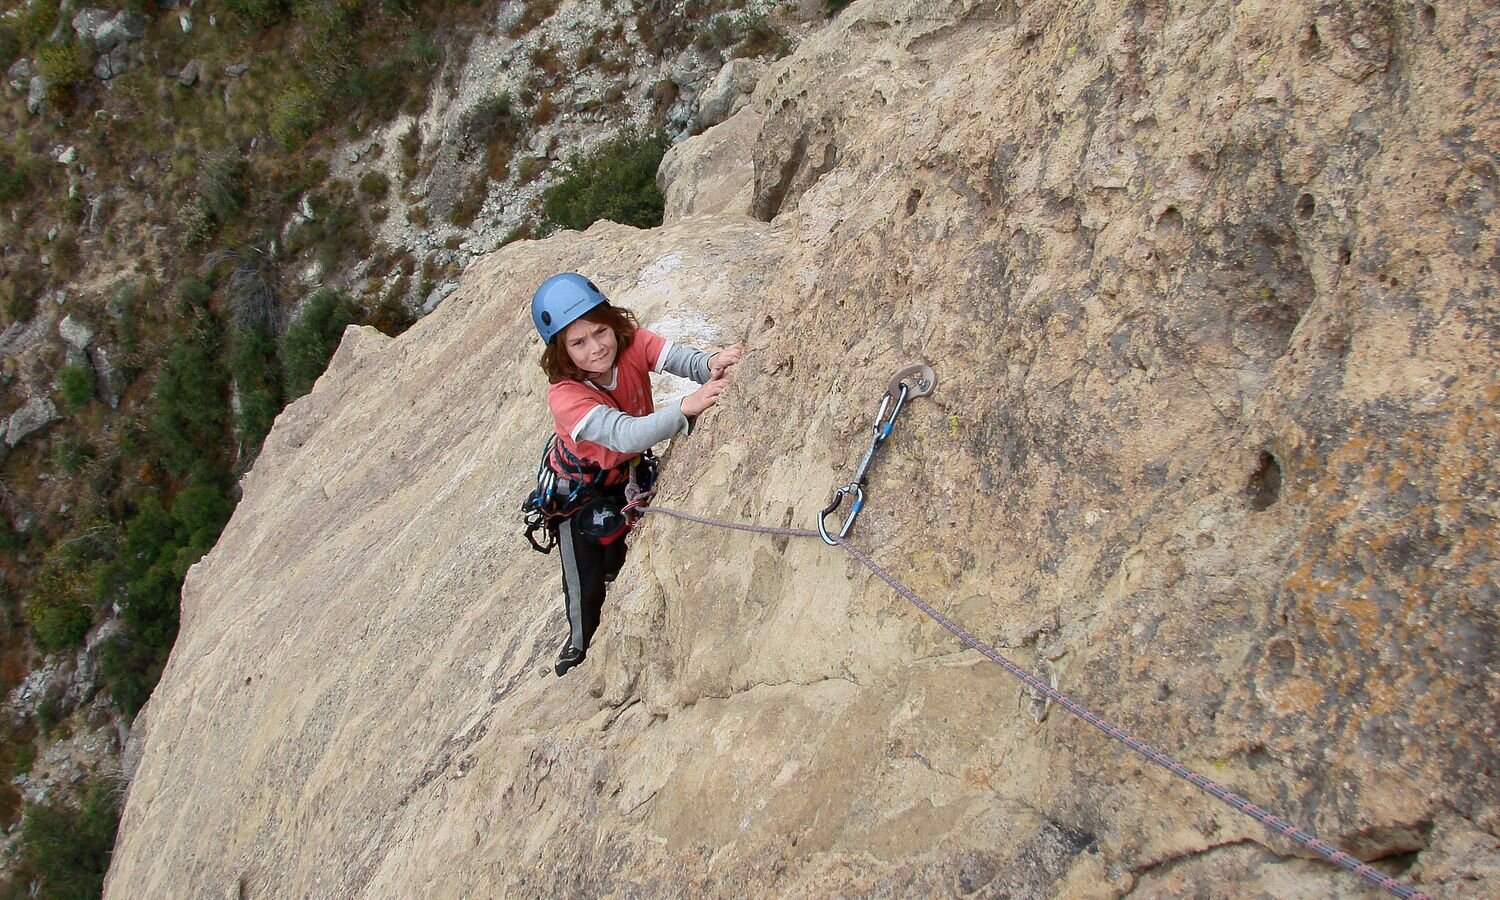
(587, 566)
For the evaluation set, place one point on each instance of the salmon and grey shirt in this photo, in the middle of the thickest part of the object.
(607, 423)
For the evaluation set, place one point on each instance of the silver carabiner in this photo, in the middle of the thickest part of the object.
(838, 498)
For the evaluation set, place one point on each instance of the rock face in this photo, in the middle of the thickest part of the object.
(1210, 291)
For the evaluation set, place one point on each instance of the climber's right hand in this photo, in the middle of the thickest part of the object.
(707, 395)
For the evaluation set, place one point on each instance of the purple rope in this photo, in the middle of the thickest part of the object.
(1155, 755)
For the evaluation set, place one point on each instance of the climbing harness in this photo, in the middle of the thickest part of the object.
(923, 385)
(579, 488)
(915, 380)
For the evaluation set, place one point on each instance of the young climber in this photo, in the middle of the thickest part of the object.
(598, 360)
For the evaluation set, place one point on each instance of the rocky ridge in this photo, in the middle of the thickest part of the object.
(1208, 288)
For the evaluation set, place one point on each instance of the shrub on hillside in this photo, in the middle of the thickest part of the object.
(65, 851)
(335, 232)
(535, 13)
(252, 365)
(617, 181)
(193, 294)
(77, 383)
(16, 171)
(294, 114)
(310, 341)
(224, 185)
(189, 415)
(490, 122)
(64, 66)
(374, 185)
(60, 605)
(59, 616)
(144, 577)
(258, 13)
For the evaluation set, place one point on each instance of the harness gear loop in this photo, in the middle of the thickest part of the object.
(916, 380)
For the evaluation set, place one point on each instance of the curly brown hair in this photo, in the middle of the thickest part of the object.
(555, 361)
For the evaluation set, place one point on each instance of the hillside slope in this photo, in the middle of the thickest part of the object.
(1209, 289)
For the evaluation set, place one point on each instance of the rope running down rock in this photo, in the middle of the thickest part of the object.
(1280, 826)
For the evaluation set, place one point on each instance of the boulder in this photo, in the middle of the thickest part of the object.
(36, 415)
(117, 61)
(76, 333)
(126, 27)
(190, 73)
(88, 21)
(111, 380)
(36, 94)
(729, 91)
(711, 173)
(19, 74)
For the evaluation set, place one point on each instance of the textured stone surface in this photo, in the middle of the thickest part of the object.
(1210, 289)
(34, 415)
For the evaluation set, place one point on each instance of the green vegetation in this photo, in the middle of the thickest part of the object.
(374, 185)
(251, 364)
(189, 415)
(309, 342)
(59, 608)
(77, 383)
(65, 851)
(617, 181)
(294, 114)
(258, 13)
(64, 66)
(17, 168)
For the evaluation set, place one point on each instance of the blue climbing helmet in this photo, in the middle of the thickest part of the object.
(560, 301)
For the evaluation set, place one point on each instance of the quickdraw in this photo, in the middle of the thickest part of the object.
(916, 380)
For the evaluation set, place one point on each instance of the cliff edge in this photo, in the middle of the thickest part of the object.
(1210, 291)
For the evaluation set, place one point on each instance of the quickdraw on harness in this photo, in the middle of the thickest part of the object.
(561, 494)
(915, 380)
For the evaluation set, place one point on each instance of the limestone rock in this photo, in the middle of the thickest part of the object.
(125, 27)
(190, 73)
(1212, 318)
(19, 74)
(117, 61)
(34, 415)
(111, 380)
(711, 173)
(36, 94)
(729, 92)
(88, 21)
(76, 333)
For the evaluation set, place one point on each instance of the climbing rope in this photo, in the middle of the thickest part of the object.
(1280, 826)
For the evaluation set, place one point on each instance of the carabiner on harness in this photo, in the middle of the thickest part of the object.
(915, 380)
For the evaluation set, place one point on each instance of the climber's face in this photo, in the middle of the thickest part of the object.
(591, 346)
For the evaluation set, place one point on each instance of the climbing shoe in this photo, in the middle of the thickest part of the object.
(567, 658)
